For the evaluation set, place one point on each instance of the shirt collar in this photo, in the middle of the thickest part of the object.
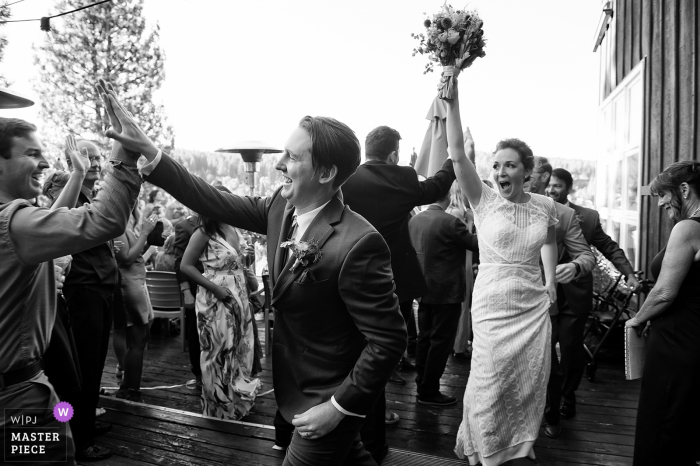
(86, 191)
(304, 220)
(568, 204)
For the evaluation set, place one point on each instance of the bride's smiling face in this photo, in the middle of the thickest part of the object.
(509, 173)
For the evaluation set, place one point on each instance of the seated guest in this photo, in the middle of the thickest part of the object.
(27, 283)
(441, 241)
(224, 319)
(667, 419)
(165, 259)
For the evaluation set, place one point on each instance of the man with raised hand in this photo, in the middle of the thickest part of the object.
(32, 237)
(338, 330)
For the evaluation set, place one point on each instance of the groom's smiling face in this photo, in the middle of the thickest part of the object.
(300, 181)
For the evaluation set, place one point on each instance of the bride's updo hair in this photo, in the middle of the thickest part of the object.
(523, 150)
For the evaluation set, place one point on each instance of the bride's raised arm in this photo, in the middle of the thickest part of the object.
(458, 146)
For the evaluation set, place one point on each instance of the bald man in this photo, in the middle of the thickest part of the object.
(89, 291)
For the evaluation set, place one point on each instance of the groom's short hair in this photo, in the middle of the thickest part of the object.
(332, 143)
(11, 128)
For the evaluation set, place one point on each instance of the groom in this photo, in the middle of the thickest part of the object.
(338, 332)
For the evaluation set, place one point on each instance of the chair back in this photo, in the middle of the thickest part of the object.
(164, 290)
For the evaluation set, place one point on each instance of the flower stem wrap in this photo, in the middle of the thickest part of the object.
(447, 82)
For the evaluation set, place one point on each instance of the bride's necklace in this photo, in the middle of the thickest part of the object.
(694, 212)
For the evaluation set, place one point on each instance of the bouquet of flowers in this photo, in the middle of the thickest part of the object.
(454, 38)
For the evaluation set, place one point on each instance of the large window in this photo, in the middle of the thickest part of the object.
(619, 162)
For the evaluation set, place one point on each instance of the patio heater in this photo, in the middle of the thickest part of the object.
(252, 152)
(10, 99)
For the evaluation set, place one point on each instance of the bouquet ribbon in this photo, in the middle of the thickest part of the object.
(447, 82)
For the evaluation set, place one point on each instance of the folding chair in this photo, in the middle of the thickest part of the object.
(164, 291)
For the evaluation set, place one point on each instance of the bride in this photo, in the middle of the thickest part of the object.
(505, 396)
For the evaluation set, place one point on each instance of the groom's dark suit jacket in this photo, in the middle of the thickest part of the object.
(385, 194)
(338, 330)
(579, 293)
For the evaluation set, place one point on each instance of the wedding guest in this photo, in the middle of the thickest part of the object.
(183, 233)
(574, 264)
(130, 341)
(55, 184)
(463, 340)
(165, 259)
(669, 408)
(89, 291)
(332, 357)
(224, 319)
(575, 297)
(27, 281)
(175, 212)
(441, 242)
(385, 193)
(512, 330)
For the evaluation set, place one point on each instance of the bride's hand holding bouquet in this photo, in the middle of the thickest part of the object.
(453, 38)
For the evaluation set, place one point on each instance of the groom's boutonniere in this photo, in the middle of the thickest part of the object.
(579, 217)
(304, 252)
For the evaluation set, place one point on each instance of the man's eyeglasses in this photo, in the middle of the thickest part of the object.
(96, 158)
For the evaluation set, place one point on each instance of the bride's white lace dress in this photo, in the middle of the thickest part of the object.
(505, 396)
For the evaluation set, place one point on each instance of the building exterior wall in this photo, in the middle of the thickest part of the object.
(666, 33)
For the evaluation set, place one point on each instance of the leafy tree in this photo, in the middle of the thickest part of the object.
(4, 16)
(108, 41)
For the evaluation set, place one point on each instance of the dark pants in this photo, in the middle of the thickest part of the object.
(193, 340)
(437, 324)
(407, 313)
(373, 430)
(283, 430)
(91, 319)
(564, 379)
(342, 446)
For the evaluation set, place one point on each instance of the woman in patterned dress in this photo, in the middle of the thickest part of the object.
(505, 396)
(224, 320)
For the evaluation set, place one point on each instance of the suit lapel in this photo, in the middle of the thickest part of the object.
(321, 229)
(282, 237)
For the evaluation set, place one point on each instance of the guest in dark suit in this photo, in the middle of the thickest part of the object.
(441, 241)
(338, 331)
(384, 193)
(183, 233)
(575, 262)
(575, 298)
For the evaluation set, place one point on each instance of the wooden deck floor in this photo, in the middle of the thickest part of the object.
(169, 429)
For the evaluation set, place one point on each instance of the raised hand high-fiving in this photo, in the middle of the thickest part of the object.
(124, 129)
(75, 158)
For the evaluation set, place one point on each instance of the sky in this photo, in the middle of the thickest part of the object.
(251, 69)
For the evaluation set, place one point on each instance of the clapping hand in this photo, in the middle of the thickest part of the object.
(149, 224)
(124, 129)
(117, 246)
(469, 144)
(78, 159)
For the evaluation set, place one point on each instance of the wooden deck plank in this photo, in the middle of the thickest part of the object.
(602, 433)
